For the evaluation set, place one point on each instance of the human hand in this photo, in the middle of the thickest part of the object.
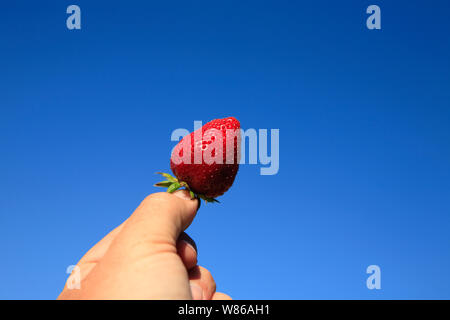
(147, 257)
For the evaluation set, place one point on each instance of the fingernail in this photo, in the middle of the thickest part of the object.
(188, 240)
(183, 194)
(197, 292)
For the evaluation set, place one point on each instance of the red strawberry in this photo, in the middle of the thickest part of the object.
(206, 161)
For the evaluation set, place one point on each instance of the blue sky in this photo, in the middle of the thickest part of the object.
(364, 119)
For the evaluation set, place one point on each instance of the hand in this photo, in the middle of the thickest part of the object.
(147, 257)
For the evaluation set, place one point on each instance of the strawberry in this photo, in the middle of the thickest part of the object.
(206, 161)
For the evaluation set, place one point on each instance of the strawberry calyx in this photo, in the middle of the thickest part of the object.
(173, 184)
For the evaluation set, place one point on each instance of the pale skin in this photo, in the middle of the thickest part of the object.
(148, 256)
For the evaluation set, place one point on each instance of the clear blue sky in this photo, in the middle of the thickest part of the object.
(364, 119)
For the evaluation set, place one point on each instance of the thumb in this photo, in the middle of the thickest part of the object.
(159, 219)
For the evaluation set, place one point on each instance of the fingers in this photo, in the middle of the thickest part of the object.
(203, 286)
(196, 291)
(221, 296)
(187, 250)
(201, 282)
(200, 277)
